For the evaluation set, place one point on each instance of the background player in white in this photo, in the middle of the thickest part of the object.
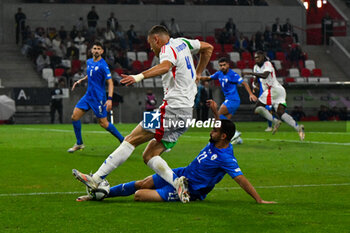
(178, 77)
(274, 94)
(204, 172)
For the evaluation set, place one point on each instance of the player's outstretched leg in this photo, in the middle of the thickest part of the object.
(236, 139)
(77, 130)
(85, 179)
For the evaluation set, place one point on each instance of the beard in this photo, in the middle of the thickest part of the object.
(211, 140)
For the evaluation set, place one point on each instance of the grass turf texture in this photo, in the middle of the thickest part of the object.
(33, 159)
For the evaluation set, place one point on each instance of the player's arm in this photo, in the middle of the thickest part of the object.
(79, 81)
(204, 52)
(252, 97)
(248, 187)
(110, 95)
(214, 108)
(259, 75)
(203, 78)
(157, 70)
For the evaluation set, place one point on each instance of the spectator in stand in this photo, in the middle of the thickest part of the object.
(268, 34)
(80, 24)
(27, 33)
(73, 33)
(82, 51)
(323, 113)
(79, 39)
(108, 36)
(55, 61)
(52, 33)
(206, 94)
(78, 75)
(132, 37)
(121, 38)
(20, 19)
(150, 101)
(241, 43)
(122, 59)
(162, 22)
(252, 44)
(42, 61)
(277, 27)
(72, 51)
(224, 37)
(295, 55)
(62, 33)
(260, 43)
(276, 43)
(174, 28)
(46, 41)
(230, 27)
(112, 22)
(327, 28)
(298, 113)
(92, 19)
(288, 30)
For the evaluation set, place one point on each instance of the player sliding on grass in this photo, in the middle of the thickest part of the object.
(95, 97)
(274, 94)
(178, 77)
(229, 81)
(203, 173)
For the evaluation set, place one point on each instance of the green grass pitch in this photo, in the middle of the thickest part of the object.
(309, 180)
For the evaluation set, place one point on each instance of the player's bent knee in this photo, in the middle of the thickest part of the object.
(138, 196)
(258, 109)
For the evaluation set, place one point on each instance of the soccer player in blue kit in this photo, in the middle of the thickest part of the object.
(203, 173)
(229, 80)
(95, 97)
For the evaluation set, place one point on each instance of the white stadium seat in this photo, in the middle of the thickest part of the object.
(238, 71)
(47, 73)
(280, 80)
(158, 81)
(277, 64)
(248, 71)
(131, 55)
(310, 64)
(313, 80)
(215, 65)
(300, 80)
(148, 82)
(142, 56)
(66, 63)
(235, 56)
(324, 80)
(294, 73)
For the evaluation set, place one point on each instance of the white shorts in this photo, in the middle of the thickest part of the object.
(170, 132)
(274, 96)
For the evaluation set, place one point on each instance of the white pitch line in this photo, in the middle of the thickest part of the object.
(223, 188)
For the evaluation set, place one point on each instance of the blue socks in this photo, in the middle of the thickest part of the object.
(126, 189)
(113, 130)
(269, 123)
(77, 131)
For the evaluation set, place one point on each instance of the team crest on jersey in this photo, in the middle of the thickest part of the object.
(214, 157)
(96, 68)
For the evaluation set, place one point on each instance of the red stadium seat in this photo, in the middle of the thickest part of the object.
(246, 56)
(49, 53)
(241, 65)
(280, 56)
(59, 72)
(213, 57)
(119, 71)
(305, 73)
(147, 64)
(76, 64)
(289, 80)
(317, 72)
(137, 66)
(228, 48)
(251, 64)
(200, 38)
(301, 64)
(210, 39)
(217, 48)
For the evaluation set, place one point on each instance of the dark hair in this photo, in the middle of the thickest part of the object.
(158, 29)
(228, 128)
(97, 43)
(223, 59)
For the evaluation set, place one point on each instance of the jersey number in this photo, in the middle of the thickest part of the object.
(201, 156)
(189, 66)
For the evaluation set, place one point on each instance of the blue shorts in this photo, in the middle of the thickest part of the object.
(98, 106)
(168, 193)
(232, 105)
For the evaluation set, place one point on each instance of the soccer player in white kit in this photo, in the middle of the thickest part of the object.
(178, 77)
(274, 94)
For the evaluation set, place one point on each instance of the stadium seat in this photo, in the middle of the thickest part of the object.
(300, 80)
(241, 65)
(147, 64)
(217, 48)
(150, 56)
(246, 56)
(289, 80)
(47, 73)
(310, 64)
(247, 70)
(305, 72)
(158, 81)
(215, 65)
(312, 80)
(200, 38)
(137, 66)
(66, 63)
(131, 55)
(148, 82)
(142, 56)
(324, 80)
(281, 73)
(59, 72)
(294, 72)
(280, 80)
(278, 64)
(49, 53)
(317, 72)
(280, 56)
(210, 39)
(119, 71)
(213, 57)
(76, 65)
(234, 56)
(228, 48)
(251, 64)
(238, 71)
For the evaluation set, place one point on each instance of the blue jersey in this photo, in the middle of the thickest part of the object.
(97, 72)
(209, 167)
(228, 83)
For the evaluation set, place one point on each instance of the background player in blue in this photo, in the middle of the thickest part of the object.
(95, 97)
(229, 80)
(203, 173)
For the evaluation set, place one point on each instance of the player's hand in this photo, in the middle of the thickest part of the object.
(108, 105)
(266, 202)
(212, 105)
(127, 80)
(198, 78)
(255, 90)
(74, 84)
(253, 98)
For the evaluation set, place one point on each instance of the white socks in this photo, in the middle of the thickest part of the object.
(262, 111)
(161, 168)
(290, 121)
(114, 160)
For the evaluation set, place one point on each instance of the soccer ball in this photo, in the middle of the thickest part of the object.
(101, 192)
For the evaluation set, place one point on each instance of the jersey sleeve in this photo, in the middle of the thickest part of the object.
(230, 166)
(167, 53)
(267, 67)
(235, 78)
(193, 45)
(107, 71)
(215, 76)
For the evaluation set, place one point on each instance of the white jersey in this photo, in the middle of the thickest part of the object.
(179, 83)
(271, 80)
